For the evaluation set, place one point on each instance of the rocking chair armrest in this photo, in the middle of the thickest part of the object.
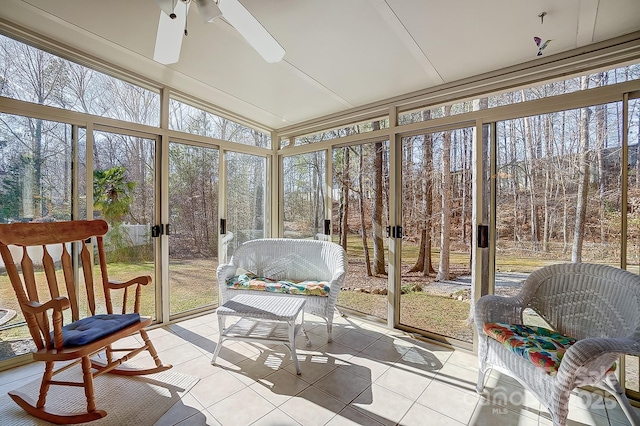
(58, 304)
(141, 280)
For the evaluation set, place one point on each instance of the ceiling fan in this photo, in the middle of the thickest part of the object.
(173, 26)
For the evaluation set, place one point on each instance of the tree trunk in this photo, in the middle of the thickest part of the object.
(548, 183)
(565, 200)
(601, 131)
(424, 262)
(515, 183)
(365, 243)
(637, 150)
(583, 183)
(445, 219)
(531, 177)
(379, 266)
(345, 198)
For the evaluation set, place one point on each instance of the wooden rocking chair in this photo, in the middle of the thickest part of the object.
(82, 338)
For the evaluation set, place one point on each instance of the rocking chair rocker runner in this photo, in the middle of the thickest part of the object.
(82, 338)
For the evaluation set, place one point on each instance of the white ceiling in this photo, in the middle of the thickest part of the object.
(340, 53)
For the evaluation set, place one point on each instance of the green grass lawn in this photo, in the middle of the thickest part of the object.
(437, 314)
(192, 285)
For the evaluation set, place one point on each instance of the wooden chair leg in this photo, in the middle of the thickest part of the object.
(44, 385)
(109, 353)
(87, 378)
(38, 409)
(125, 371)
(150, 348)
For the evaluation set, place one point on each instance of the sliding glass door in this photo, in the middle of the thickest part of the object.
(437, 233)
(360, 217)
(193, 227)
(632, 363)
(124, 182)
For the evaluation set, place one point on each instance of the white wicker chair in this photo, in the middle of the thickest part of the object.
(293, 259)
(596, 304)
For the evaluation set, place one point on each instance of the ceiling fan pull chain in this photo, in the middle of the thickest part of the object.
(186, 23)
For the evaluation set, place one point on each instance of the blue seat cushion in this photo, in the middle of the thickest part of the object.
(87, 330)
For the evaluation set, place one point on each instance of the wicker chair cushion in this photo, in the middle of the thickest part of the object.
(541, 346)
(250, 281)
(87, 330)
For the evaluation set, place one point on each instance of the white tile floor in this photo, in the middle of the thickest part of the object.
(368, 375)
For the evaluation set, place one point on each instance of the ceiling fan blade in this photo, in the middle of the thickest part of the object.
(252, 31)
(170, 34)
(166, 6)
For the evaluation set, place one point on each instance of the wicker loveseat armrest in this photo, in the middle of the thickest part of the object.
(338, 275)
(491, 308)
(593, 357)
(225, 271)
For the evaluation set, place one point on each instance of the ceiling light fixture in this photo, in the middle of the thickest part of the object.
(168, 7)
(208, 9)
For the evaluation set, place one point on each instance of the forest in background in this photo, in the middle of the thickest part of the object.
(558, 183)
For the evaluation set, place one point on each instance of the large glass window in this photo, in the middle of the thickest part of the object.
(341, 132)
(246, 199)
(545, 90)
(32, 75)
(558, 189)
(35, 186)
(304, 195)
(186, 118)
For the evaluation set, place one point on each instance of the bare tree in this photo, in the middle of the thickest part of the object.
(43, 76)
(363, 229)
(379, 266)
(445, 218)
(346, 183)
(424, 263)
(601, 130)
(583, 182)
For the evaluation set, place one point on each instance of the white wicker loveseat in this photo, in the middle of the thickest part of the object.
(322, 263)
(597, 305)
